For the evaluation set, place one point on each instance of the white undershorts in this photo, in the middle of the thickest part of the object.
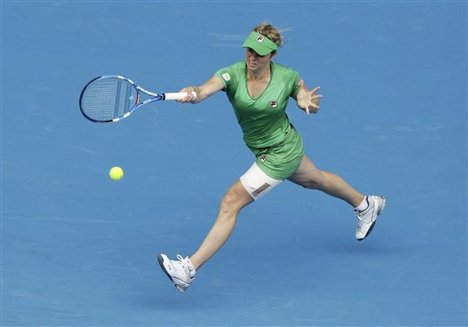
(257, 183)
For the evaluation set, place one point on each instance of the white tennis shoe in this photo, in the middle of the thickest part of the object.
(367, 217)
(181, 272)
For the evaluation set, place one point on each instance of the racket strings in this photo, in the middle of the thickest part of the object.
(107, 99)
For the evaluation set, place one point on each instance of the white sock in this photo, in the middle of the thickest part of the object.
(363, 206)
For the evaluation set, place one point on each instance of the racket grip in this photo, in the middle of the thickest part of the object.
(177, 95)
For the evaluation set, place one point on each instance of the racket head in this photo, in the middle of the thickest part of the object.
(108, 98)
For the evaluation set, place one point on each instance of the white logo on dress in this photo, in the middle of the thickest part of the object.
(226, 77)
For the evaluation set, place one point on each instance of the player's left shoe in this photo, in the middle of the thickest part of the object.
(181, 272)
(368, 217)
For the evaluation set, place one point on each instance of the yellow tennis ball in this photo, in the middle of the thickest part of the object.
(116, 173)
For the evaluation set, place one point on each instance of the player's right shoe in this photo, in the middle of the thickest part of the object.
(181, 272)
(368, 217)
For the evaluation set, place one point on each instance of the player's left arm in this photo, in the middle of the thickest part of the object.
(307, 100)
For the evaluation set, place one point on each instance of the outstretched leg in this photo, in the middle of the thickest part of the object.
(309, 176)
(182, 271)
(367, 208)
(233, 201)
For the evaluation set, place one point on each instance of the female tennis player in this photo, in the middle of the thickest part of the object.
(258, 90)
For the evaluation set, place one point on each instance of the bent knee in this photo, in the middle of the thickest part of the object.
(235, 199)
(230, 203)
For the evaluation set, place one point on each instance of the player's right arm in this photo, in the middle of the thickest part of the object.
(203, 91)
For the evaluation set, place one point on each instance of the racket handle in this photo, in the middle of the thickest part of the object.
(177, 95)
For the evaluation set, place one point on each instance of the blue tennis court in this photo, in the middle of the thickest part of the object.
(78, 249)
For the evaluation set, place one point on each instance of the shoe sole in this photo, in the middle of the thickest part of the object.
(161, 263)
(373, 224)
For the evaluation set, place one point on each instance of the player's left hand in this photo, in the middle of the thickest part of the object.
(308, 100)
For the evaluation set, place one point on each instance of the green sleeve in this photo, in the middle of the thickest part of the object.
(228, 75)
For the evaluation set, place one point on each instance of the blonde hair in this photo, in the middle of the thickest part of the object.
(271, 32)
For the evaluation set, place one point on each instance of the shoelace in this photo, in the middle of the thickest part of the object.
(358, 214)
(188, 267)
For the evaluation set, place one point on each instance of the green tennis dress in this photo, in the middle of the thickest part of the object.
(276, 144)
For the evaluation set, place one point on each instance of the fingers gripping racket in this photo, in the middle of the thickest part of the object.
(110, 98)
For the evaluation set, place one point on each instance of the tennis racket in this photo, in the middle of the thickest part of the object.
(111, 98)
